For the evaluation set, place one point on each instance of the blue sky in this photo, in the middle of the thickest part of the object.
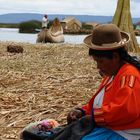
(87, 7)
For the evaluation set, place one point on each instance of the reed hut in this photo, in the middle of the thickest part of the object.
(71, 24)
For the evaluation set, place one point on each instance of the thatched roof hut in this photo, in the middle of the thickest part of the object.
(71, 23)
(92, 24)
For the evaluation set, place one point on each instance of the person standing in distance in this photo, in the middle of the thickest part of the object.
(44, 21)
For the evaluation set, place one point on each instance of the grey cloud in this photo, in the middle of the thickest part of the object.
(90, 7)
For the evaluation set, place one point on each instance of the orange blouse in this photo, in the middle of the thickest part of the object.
(120, 109)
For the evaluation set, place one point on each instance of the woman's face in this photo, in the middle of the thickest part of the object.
(107, 66)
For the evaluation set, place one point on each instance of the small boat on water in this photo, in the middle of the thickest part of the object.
(53, 35)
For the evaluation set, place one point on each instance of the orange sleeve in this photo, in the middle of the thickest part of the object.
(88, 107)
(124, 108)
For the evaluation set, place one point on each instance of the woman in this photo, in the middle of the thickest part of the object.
(115, 108)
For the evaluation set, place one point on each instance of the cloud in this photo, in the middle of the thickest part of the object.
(135, 8)
(136, 0)
(87, 7)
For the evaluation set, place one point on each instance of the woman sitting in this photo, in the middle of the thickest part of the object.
(115, 107)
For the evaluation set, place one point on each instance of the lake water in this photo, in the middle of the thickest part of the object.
(9, 34)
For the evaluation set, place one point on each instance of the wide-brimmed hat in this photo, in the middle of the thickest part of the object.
(107, 37)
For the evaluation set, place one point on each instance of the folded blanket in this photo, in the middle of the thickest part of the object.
(74, 131)
(77, 129)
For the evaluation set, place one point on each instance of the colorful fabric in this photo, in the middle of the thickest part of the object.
(103, 134)
(44, 125)
(120, 109)
(73, 131)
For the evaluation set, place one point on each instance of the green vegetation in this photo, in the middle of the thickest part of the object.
(29, 26)
(87, 27)
(32, 25)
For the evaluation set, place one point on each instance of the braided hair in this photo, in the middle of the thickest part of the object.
(122, 53)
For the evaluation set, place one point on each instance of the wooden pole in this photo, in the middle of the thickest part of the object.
(122, 18)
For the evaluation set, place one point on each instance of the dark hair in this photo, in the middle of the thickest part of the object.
(122, 53)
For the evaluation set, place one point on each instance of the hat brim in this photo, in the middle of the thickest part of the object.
(125, 39)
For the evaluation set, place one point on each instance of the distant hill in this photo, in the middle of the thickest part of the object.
(20, 17)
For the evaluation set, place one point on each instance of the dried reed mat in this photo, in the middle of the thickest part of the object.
(45, 81)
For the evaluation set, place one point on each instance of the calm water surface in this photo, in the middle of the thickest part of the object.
(9, 34)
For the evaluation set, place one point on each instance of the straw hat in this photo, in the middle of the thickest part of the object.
(107, 37)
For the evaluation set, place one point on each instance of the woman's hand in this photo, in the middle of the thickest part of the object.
(74, 115)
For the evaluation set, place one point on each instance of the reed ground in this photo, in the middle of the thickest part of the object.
(45, 81)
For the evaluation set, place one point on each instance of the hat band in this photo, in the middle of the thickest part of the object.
(122, 42)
